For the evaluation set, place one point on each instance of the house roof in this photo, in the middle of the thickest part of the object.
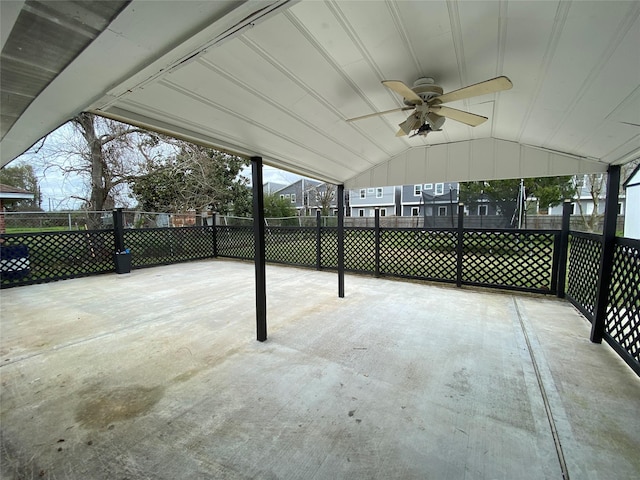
(9, 192)
(634, 177)
(279, 78)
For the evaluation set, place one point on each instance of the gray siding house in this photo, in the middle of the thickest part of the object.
(364, 201)
(307, 196)
(429, 199)
(295, 193)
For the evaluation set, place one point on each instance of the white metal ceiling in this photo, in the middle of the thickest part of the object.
(278, 79)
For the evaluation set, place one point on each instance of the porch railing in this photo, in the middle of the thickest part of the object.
(536, 261)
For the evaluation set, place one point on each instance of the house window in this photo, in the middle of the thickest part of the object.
(361, 212)
(293, 198)
(417, 190)
(383, 212)
(282, 196)
(439, 188)
(415, 211)
(372, 212)
(428, 186)
(482, 210)
(363, 193)
(370, 191)
(442, 211)
(619, 209)
(286, 195)
(379, 192)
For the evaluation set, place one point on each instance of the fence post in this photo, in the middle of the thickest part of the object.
(318, 239)
(460, 244)
(377, 242)
(563, 248)
(118, 229)
(214, 233)
(606, 259)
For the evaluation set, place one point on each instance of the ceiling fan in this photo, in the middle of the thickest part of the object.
(426, 99)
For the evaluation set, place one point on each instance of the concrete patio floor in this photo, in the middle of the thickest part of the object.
(157, 375)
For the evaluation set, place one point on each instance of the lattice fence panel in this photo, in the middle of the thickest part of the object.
(623, 309)
(291, 245)
(159, 246)
(329, 248)
(522, 260)
(416, 253)
(43, 257)
(359, 249)
(235, 242)
(584, 264)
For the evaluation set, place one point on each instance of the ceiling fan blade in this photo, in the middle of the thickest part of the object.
(497, 84)
(401, 89)
(467, 118)
(379, 113)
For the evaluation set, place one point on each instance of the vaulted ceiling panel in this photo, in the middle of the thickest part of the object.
(280, 78)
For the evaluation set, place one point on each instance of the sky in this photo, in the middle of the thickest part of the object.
(58, 191)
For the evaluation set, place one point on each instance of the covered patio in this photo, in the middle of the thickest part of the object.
(156, 374)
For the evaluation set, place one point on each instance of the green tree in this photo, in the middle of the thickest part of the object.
(549, 192)
(22, 176)
(196, 178)
(552, 191)
(276, 207)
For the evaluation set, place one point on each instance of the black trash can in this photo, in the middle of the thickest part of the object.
(123, 262)
(14, 262)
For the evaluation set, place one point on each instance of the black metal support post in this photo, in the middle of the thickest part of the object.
(377, 243)
(564, 248)
(318, 240)
(118, 229)
(260, 249)
(459, 244)
(214, 232)
(606, 260)
(121, 257)
(341, 241)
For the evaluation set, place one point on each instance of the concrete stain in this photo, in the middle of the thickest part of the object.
(101, 407)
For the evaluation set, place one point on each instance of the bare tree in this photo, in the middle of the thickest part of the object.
(324, 194)
(102, 154)
(594, 183)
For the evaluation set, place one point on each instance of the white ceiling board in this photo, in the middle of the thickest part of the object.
(483, 159)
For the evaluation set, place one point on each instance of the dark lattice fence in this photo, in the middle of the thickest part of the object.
(160, 246)
(36, 258)
(585, 250)
(359, 250)
(623, 308)
(522, 260)
(417, 253)
(291, 245)
(235, 242)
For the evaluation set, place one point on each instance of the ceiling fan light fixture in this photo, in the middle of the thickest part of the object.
(436, 121)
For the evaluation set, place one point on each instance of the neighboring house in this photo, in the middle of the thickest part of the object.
(364, 201)
(295, 194)
(429, 199)
(272, 187)
(632, 205)
(10, 194)
(314, 196)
